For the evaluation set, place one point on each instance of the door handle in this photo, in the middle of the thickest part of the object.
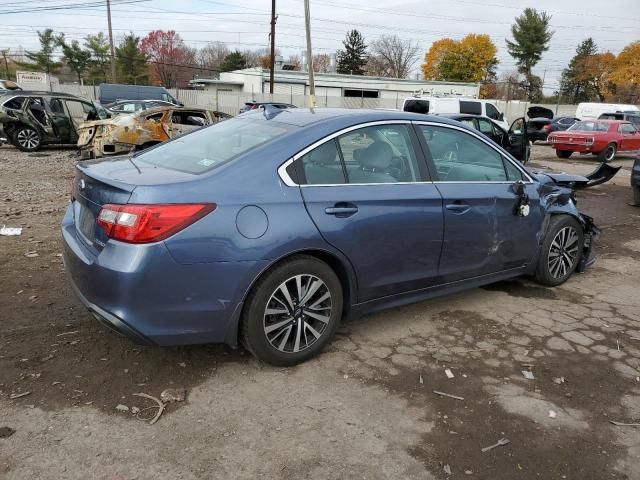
(458, 207)
(341, 211)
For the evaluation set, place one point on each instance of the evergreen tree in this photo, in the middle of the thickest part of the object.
(132, 63)
(234, 61)
(43, 60)
(77, 58)
(574, 88)
(100, 58)
(353, 59)
(531, 37)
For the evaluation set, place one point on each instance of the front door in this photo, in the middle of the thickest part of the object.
(484, 232)
(518, 140)
(366, 192)
(60, 121)
(630, 137)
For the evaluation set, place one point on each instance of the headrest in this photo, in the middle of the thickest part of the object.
(377, 156)
(325, 154)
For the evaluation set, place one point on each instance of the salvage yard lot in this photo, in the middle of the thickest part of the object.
(365, 408)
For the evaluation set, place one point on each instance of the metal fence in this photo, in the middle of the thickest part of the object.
(230, 103)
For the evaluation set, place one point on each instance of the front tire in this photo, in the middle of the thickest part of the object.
(27, 139)
(563, 153)
(608, 153)
(292, 311)
(560, 252)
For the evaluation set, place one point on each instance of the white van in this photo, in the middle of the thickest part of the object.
(594, 110)
(469, 106)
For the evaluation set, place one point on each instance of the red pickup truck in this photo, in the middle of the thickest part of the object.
(599, 137)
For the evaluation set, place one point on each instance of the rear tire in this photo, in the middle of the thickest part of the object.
(608, 153)
(292, 312)
(560, 252)
(563, 153)
(27, 139)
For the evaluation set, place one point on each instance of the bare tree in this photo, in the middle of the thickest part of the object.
(322, 63)
(295, 61)
(377, 66)
(211, 56)
(395, 56)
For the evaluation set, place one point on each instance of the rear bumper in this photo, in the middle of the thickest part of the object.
(143, 293)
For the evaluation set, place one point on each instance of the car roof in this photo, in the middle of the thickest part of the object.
(164, 108)
(38, 93)
(302, 117)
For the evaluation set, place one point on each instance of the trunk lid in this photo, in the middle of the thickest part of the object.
(99, 182)
(539, 112)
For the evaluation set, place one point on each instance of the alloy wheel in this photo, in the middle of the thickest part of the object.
(563, 253)
(610, 153)
(297, 313)
(28, 138)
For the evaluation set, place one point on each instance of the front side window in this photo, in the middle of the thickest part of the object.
(492, 112)
(79, 111)
(208, 148)
(485, 126)
(627, 128)
(461, 157)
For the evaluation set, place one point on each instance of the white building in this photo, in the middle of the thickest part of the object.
(332, 89)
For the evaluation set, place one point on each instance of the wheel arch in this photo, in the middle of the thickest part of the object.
(339, 264)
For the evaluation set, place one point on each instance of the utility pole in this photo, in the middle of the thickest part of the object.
(113, 55)
(559, 92)
(273, 46)
(312, 85)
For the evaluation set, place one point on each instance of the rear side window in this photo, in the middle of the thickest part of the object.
(322, 165)
(14, 103)
(416, 106)
(208, 148)
(470, 108)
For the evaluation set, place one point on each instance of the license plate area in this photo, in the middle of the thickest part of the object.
(86, 223)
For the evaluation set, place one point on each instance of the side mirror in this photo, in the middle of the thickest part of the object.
(519, 188)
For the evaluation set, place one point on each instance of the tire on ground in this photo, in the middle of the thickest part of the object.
(563, 153)
(608, 153)
(252, 332)
(544, 275)
(26, 139)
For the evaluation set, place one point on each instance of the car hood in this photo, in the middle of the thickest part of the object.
(539, 112)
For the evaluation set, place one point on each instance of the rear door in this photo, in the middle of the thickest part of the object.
(367, 191)
(482, 232)
(60, 121)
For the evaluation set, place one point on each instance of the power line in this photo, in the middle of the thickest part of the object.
(72, 6)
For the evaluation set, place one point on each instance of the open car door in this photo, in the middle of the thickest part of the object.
(519, 145)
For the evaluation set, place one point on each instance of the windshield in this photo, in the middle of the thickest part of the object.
(210, 147)
(589, 127)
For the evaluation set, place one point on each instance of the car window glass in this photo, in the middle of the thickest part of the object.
(626, 128)
(470, 107)
(128, 107)
(14, 103)
(416, 106)
(208, 148)
(78, 111)
(513, 173)
(379, 154)
(485, 126)
(322, 165)
(469, 123)
(492, 112)
(461, 157)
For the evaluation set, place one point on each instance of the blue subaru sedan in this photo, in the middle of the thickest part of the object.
(269, 228)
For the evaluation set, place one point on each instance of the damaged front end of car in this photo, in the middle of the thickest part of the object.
(558, 196)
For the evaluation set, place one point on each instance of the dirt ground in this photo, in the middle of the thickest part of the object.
(363, 409)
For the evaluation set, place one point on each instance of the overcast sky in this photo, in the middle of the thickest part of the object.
(245, 23)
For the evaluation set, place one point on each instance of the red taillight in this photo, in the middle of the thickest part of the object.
(134, 223)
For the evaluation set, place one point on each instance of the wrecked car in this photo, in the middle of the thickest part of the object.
(139, 131)
(30, 120)
(272, 226)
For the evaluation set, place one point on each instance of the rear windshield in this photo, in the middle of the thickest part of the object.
(589, 127)
(210, 147)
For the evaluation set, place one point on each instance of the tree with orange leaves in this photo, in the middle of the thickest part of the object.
(471, 59)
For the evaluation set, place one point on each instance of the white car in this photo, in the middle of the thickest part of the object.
(587, 110)
(450, 105)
